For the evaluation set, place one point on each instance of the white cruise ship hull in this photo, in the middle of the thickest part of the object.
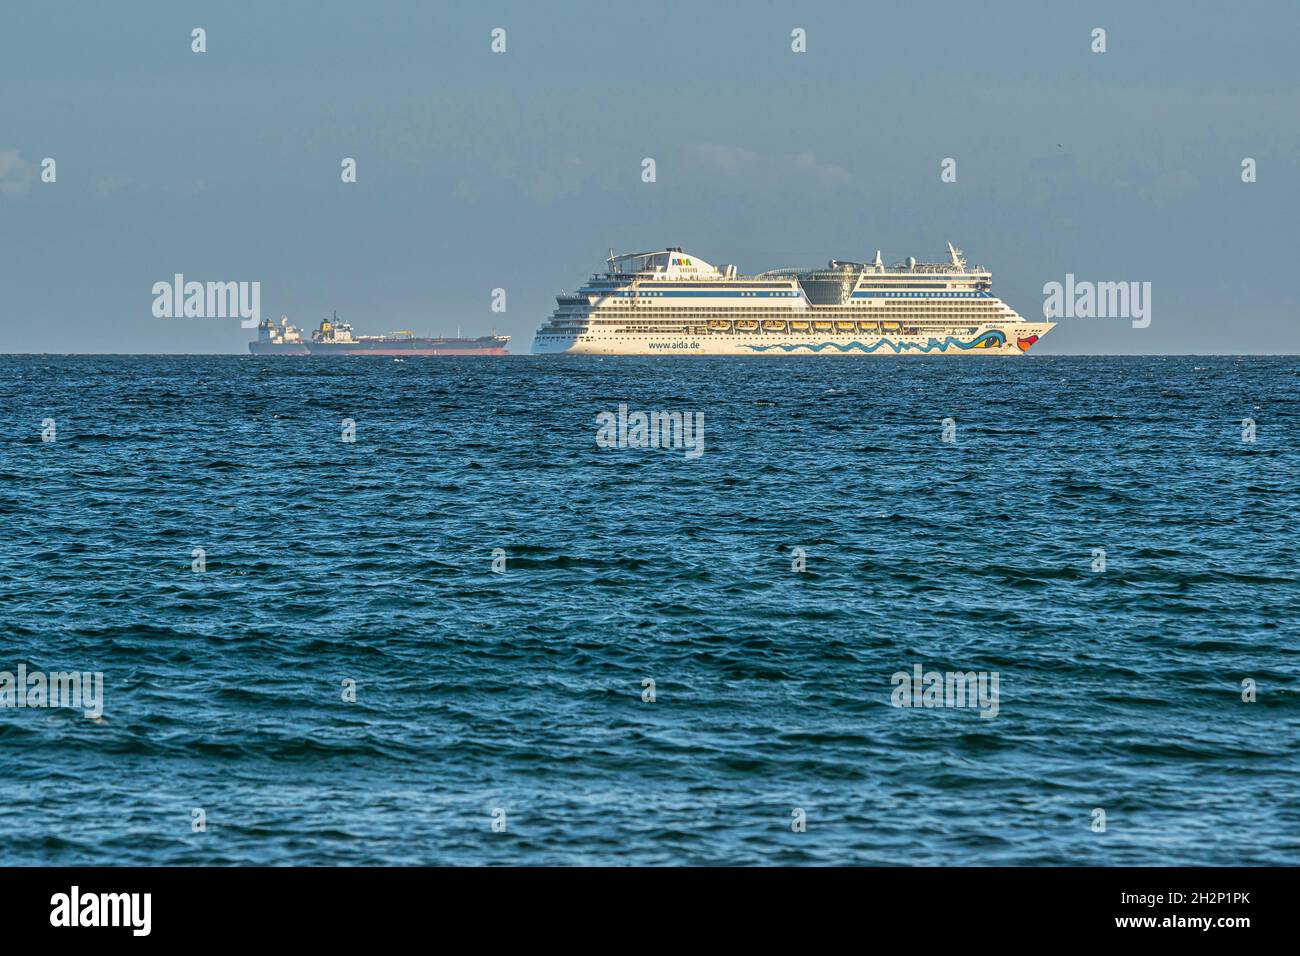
(1015, 340)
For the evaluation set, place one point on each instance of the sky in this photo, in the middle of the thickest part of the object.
(520, 170)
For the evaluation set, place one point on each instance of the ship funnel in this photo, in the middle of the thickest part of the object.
(879, 263)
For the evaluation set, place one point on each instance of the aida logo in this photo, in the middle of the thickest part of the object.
(682, 262)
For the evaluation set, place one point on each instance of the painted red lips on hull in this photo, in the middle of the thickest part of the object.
(1023, 344)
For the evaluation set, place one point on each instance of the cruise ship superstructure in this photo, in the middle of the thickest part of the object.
(671, 302)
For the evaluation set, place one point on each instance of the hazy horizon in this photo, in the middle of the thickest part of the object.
(519, 170)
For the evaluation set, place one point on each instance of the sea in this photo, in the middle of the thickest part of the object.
(474, 611)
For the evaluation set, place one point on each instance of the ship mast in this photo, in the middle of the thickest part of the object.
(958, 259)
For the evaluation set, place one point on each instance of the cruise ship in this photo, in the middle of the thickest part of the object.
(672, 302)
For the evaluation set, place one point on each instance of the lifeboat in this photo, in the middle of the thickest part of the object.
(889, 326)
(824, 326)
(868, 327)
(774, 325)
(719, 325)
(799, 325)
(746, 325)
(843, 326)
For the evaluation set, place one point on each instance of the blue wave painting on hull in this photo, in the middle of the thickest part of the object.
(993, 340)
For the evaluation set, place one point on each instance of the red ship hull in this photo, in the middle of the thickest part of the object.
(400, 347)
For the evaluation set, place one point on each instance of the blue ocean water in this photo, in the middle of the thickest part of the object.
(517, 697)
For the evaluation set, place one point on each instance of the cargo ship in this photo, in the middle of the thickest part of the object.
(336, 338)
(672, 302)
